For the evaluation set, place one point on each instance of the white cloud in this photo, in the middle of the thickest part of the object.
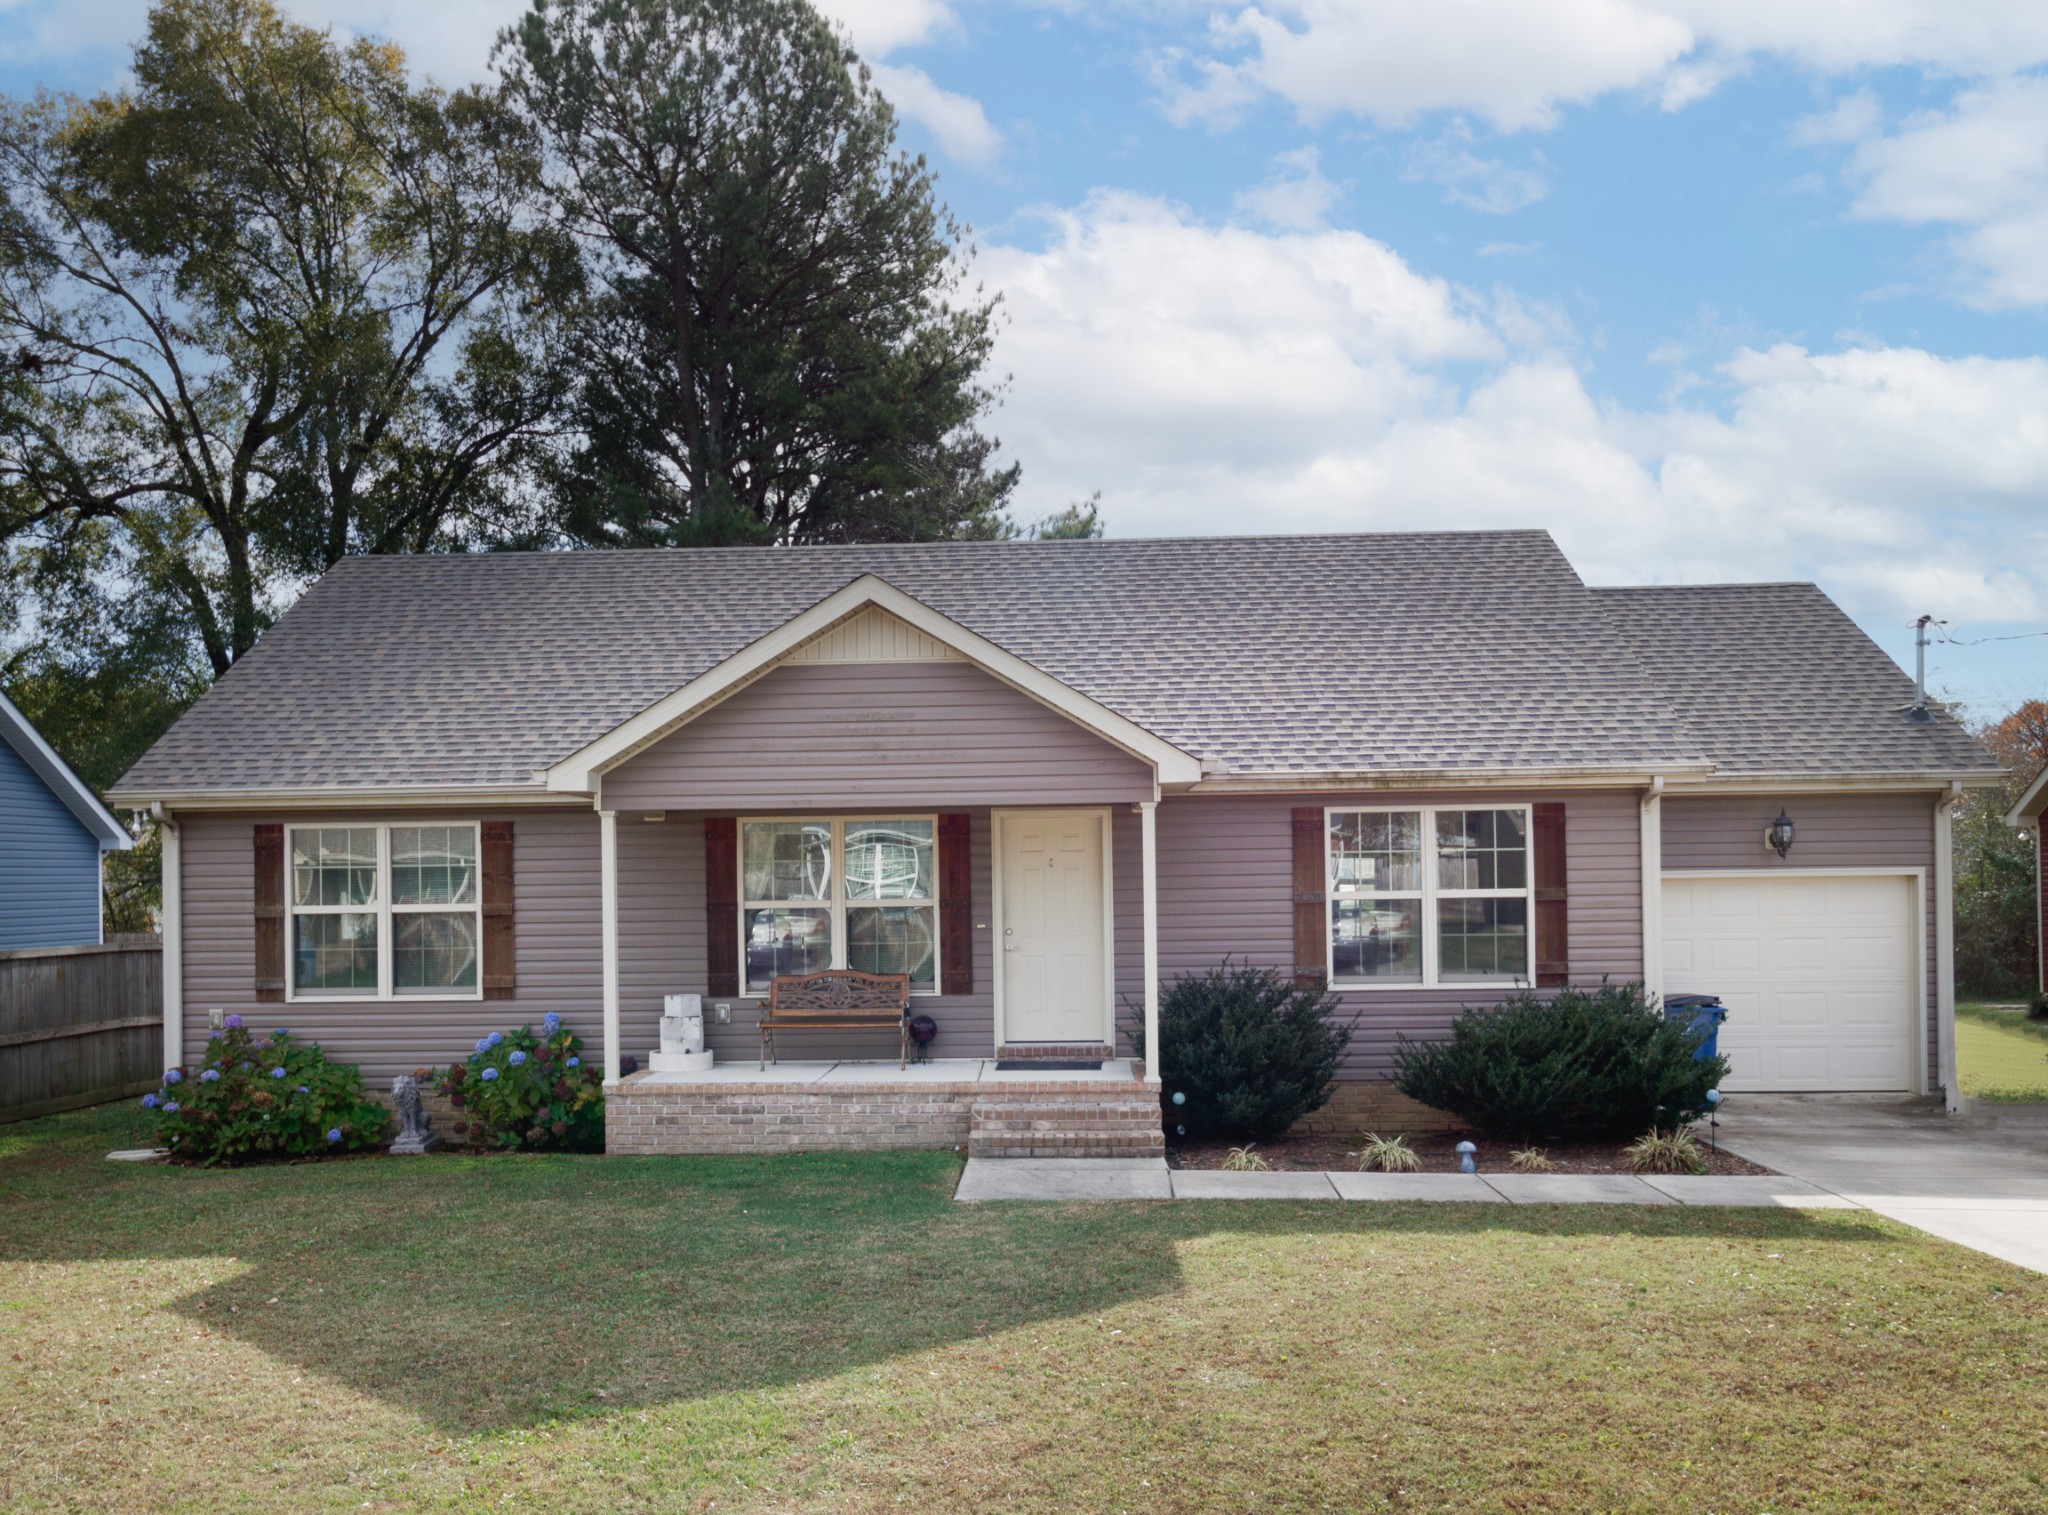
(1295, 196)
(880, 27)
(1216, 379)
(1516, 63)
(1492, 185)
(1980, 166)
(957, 122)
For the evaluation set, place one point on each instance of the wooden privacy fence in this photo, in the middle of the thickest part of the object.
(80, 1025)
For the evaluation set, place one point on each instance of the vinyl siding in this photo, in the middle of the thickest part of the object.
(1225, 888)
(49, 864)
(1831, 831)
(932, 735)
(555, 893)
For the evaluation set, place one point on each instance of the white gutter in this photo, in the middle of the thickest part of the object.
(1652, 822)
(174, 938)
(342, 799)
(1945, 944)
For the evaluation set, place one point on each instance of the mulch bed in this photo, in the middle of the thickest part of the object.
(1318, 1152)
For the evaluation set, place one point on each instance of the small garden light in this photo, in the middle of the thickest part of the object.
(1778, 835)
(1465, 1163)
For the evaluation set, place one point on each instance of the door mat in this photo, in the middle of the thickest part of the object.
(1056, 1064)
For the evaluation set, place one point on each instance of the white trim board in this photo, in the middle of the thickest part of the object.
(1918, 878)
(579, 772)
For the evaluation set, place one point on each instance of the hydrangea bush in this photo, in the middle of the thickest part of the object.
(528, 1091)
(255, 1097)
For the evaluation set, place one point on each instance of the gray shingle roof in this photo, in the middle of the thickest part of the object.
(1774, 678)
(1370, 654)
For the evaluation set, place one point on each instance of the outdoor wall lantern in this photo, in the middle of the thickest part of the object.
(1778, 835)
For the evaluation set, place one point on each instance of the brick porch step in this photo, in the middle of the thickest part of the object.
(1121, 1122)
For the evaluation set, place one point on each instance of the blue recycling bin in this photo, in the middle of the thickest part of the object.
(1702, 1015)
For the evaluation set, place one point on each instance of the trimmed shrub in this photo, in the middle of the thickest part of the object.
(254, 1098)
(528, 1092)
(1573, 1067)
(1252, 1053)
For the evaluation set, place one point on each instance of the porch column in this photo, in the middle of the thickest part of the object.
(1148, 846)
(1653, 889)
(1944, 951)
(608, 871)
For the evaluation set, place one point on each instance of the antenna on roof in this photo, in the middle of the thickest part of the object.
(1920, 711)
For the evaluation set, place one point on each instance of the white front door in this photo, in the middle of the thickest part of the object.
(1819, 974)
(1052, 944)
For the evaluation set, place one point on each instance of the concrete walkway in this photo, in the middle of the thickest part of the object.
(1980, 1179)
(1068, 1179)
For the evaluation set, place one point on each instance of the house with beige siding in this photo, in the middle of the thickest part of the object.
(1043, 779)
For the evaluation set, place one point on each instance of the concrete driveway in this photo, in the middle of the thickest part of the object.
(1980, 1180)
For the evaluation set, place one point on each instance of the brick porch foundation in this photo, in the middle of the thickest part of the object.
(1374, 1104)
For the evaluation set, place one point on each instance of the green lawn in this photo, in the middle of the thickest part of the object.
(834, 1333)
(2000, 1055)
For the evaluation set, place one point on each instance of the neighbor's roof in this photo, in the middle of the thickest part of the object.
(57, 777)
(1367, 654)
(1775, 679)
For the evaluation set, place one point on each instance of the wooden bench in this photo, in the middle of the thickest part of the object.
(837, 999)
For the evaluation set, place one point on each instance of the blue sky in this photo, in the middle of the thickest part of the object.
(1728, 290)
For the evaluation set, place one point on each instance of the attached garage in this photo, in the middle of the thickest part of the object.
(1821, 973)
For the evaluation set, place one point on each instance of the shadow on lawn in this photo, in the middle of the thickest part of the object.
(492, 1293)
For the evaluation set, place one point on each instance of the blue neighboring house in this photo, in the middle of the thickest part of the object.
(52, 832)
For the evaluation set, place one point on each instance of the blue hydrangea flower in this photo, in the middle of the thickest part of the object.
(489, 1074)
(575, 1062)
(493, 1039)
(277, 1073)
(213, 1036)
(483, 1044)
(551, 1020)
(170, 1107)
(517, 1058)
(279, 1034)
(304, 1090)
(172, 1075)
(150, 1101)
(210, 1076)
(233, 1023)
(334, 1134)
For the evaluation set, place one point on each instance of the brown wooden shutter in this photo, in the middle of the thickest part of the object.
(956, 905)
(269, 911)
(721, 905)
(501, 949)
(1553, 911)
(1311, 895)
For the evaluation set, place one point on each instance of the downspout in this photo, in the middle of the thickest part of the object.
(1945, 942)
(1653, 889)
(173, 961)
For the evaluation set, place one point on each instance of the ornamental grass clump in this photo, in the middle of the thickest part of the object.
(1578, 1066)
(1667, 1152)
(1387, 1154)
(528, 1091)
(257, 1097)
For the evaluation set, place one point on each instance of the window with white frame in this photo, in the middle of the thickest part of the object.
(862, 894)
(384, 912)
(1426, 896)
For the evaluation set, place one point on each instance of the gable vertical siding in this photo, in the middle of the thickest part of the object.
(556, 899)
(49, 864)
(831, 736)
(1226, 888)
(1831, 831)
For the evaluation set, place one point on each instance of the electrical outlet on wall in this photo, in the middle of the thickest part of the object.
(721, 1014)
(216, 1018)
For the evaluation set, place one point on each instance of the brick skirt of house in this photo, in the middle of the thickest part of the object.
(1041, 1118)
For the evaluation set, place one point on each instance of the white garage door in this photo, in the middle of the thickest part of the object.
(1817, 974)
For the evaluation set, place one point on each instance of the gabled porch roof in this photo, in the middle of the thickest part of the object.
(582, 770)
